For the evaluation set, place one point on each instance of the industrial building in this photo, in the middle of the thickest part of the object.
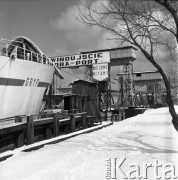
(148, 82)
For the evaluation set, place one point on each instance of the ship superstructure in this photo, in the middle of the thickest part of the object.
(25, 74)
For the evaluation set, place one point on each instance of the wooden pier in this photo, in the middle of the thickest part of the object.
(29, 129)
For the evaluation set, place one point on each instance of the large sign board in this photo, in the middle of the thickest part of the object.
(100, 72)
(81, 59)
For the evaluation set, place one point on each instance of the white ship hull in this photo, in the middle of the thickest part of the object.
(22, 86)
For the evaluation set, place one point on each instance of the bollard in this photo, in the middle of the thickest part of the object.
(72, 122)
(84, 124)
(20, 139)
(90, 121)
(123, 114)
(56, 124)
(115, 117)
(30, 130)
(48, 133)
(101, 119)
(119, 116)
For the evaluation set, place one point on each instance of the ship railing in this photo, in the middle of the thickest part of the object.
(14, 51)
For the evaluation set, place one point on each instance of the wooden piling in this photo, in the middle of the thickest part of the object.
(30, 130)
(72, 122)
(84, 123)
(56, 124)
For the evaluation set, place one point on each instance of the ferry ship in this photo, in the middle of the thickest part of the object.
(25, 75)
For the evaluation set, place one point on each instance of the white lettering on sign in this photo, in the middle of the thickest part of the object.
(81, 59)
(100, 72)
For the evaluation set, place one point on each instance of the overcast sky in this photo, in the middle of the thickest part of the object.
(52, 25)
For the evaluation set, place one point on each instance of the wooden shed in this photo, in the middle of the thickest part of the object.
(84, 97)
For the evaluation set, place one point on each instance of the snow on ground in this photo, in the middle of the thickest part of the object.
(144, 139)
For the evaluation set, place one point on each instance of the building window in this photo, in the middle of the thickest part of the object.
(138, 75)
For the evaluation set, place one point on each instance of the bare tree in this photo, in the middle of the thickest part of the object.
(172, 7)
(144, 24)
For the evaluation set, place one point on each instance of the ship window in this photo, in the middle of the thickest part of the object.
(138, 75)
(20, 53)
(44, 60)
(34, 57)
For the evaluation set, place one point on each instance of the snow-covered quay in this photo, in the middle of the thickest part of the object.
(144, 146)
